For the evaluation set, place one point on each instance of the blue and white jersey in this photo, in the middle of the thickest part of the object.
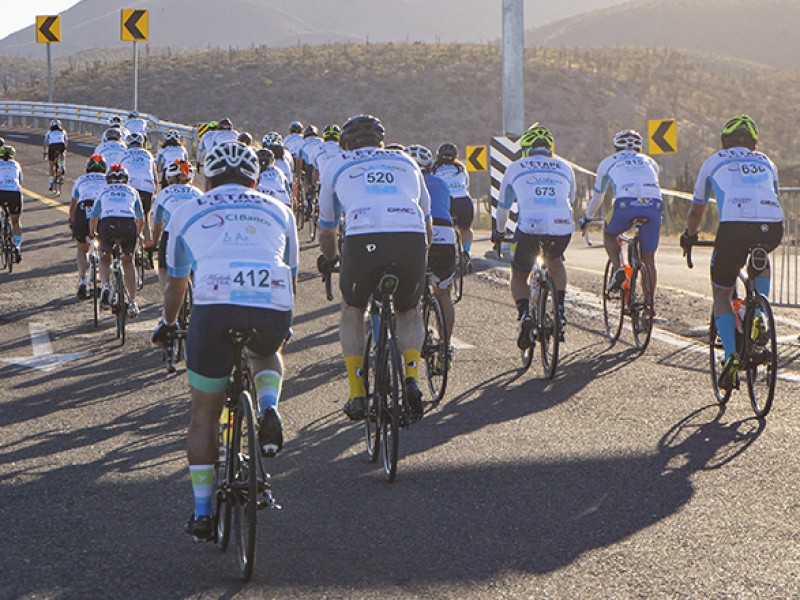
(141, 167)
(170, 198)
(273, 182)
(544, 189)
(169, 154)
(86, 190)
(310, 149)
(10, 176)
(443, 232)
(293, 142)
(286, 164)
(379, 191)
(55, 136)
(328, 151)
(112, 152)
(630, 174)
(744, 183)
(457, 180)
(117, 200)
(241, 246)
(136, 125)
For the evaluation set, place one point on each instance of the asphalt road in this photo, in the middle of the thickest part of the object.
(620, 478)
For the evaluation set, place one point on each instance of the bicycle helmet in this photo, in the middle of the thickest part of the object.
(172, 135)
(360, 131)
(135, 138)
(179, 168)
(245, 138)
(133, 114)
(740, 130)
(55, 123)
(115, 121)
(7, 152)
(536, 136)
(421, 154)
(112, 135)
(116, 174)
(296, 127)
(396, 146)
(213, 125)
(232, 158)
(628, 139)
(96, 164)
(310, 130)
(225, 124)
(331, 132)
(447, 151)
(2, 142)
(272, 138)
(265, 158)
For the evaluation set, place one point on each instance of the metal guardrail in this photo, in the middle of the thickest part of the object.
(785, 260)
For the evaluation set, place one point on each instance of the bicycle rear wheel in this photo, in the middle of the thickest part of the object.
(245, 484)
(762, 356)
(549, 327)
(391, 394)
(435, 347)
(94, 290)
(716, 358)
(613, 306)
(223, 475)
(641, 305)
(183, 320)
(458, 279)
(372, 431)
(5, 258)
(121, 307)
(313, 222)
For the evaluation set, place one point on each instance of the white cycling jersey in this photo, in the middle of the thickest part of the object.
(328, 151)
(273, 182)
(544, 189)
(744, 183)
(117, 200)
(86, 190)
(380, 191)
(10, 176)
(241, 246)
(293, 142)
(112, 152)
(55, 136)
(457, 180)
(310, 149)
(141, 167)
(630, 174)
(286, 164)
(137, 125)
(169, 154)
(224, 136)
(170, 198)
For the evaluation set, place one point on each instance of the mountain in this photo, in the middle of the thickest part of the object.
(243, 23)
(763, 31)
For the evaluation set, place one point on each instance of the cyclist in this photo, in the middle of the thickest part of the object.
(171, 150)
(11, 194)
(206, 140)
(271, 180)
(744, 182)
(442, 253)
(55, 144)
(85, 191)
(305, 167)
(178, 175)
(452, 170)
(236, 287)
(283, 159)
(141, 168)
(112, 149)
(117, 217)
(136, 124)
(633, 178)
(115, 122)
(543, 186)
(387, 216)
(245, 138)
(294, 140)
(225, 133)
(330, 144)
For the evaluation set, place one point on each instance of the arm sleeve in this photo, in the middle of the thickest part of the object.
(179, 261)
(702, 187)
(328, 216)
(137, 207)
(292, 256)
(424, 197)
(97, 209)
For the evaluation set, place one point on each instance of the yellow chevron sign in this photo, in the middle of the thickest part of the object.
(476, 159)
(48, 29)
(663, 136)
(134, 25)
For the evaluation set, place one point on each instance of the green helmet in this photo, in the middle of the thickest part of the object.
(743, 122)
(536, 136)
(7, 152)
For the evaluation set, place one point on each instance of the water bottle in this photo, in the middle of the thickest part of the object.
(224, 419)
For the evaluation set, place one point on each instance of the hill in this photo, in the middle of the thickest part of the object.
(755, 30)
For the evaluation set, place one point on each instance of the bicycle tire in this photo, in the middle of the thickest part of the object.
(313, 222)
(458, 277)
(4, 255)
(183, 319)
(762, 361)
(122, 309)
(223, 475)
(138, 263)
(716, 358)
(372, 430)
(391, 394)
(435, 347)
(613, 307)
(549, 328)
(245, 507)
(94, 290)
(8, 246)
(641, 305)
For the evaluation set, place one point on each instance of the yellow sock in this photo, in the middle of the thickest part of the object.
(355, 366)
(411, 359)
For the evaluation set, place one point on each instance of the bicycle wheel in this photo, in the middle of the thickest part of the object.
(391, 394)
(549, 327)
(6, 255)
(223, 475)
(122, 309)
(139, 263)
(312, 223)
(183, 319)
(613, 306)
(245, 485)
(94, 290)
(641, 305)
(716, 358)
(435, 347)
(458, 279)
(372, 432)
(761, 355)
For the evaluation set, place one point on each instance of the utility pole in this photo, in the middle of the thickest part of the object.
(513, 67)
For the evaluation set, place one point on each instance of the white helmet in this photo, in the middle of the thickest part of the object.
(628, 139)
(421, 154)
(135, 138)
(172, 134)
(115, 121)
(272, 138)
(232, 157)
(55, 123)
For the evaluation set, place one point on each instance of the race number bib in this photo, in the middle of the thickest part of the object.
(259, 283)
(380, 181)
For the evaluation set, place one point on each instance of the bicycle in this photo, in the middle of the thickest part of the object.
(757, 345)
(436, 353)
(93, 279)
(241, 483)
(458, 279)
(139, 261)
(60, 167)
(544, 314)
(8, 252)
(119, 295)
(313, 217)
(173, 353)
(635, 297)
(297, 204)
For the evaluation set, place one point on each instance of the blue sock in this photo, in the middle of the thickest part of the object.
(203, 488)
(467, 246)
(268, 386)
(762, 285)
(18, 240)
(726, 327)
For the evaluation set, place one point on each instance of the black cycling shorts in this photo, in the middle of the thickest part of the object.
(53, 150)
(529, 246)
(463, 211)
(147, 200)
(12, 201)
(80, 221)
(731, 244)
(162, 251)
(208, 349)
(442, 264)
(122, 229)
(365, 257)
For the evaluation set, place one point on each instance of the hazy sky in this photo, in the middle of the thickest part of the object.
(19, 14)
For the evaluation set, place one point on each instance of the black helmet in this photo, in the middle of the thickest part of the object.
(296, 127)
(310, 130)
(361, 130)
(447, 151)
(265, 158)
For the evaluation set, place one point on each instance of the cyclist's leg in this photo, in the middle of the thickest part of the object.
(649, 236)
(729, 256)
(442, 264)
(147, 202)
(770, 236)
(127, 234)
(553, 248)
(14, 206)
(618, 220)
(527, 248)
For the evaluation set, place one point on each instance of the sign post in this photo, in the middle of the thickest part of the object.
(476, 163)
(135, 25)
(48, 30)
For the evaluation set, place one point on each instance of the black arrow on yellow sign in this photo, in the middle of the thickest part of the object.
(45, 30)
(476, 158)
(659, 139)
(132, 25)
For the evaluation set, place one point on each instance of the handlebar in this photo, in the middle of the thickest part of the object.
(688, 253)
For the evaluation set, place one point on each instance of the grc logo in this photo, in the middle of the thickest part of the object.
(212, 222)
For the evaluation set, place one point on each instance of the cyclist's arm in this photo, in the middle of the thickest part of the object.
(73, 205)
(505, 201)
(694, 217)
(174, 292)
